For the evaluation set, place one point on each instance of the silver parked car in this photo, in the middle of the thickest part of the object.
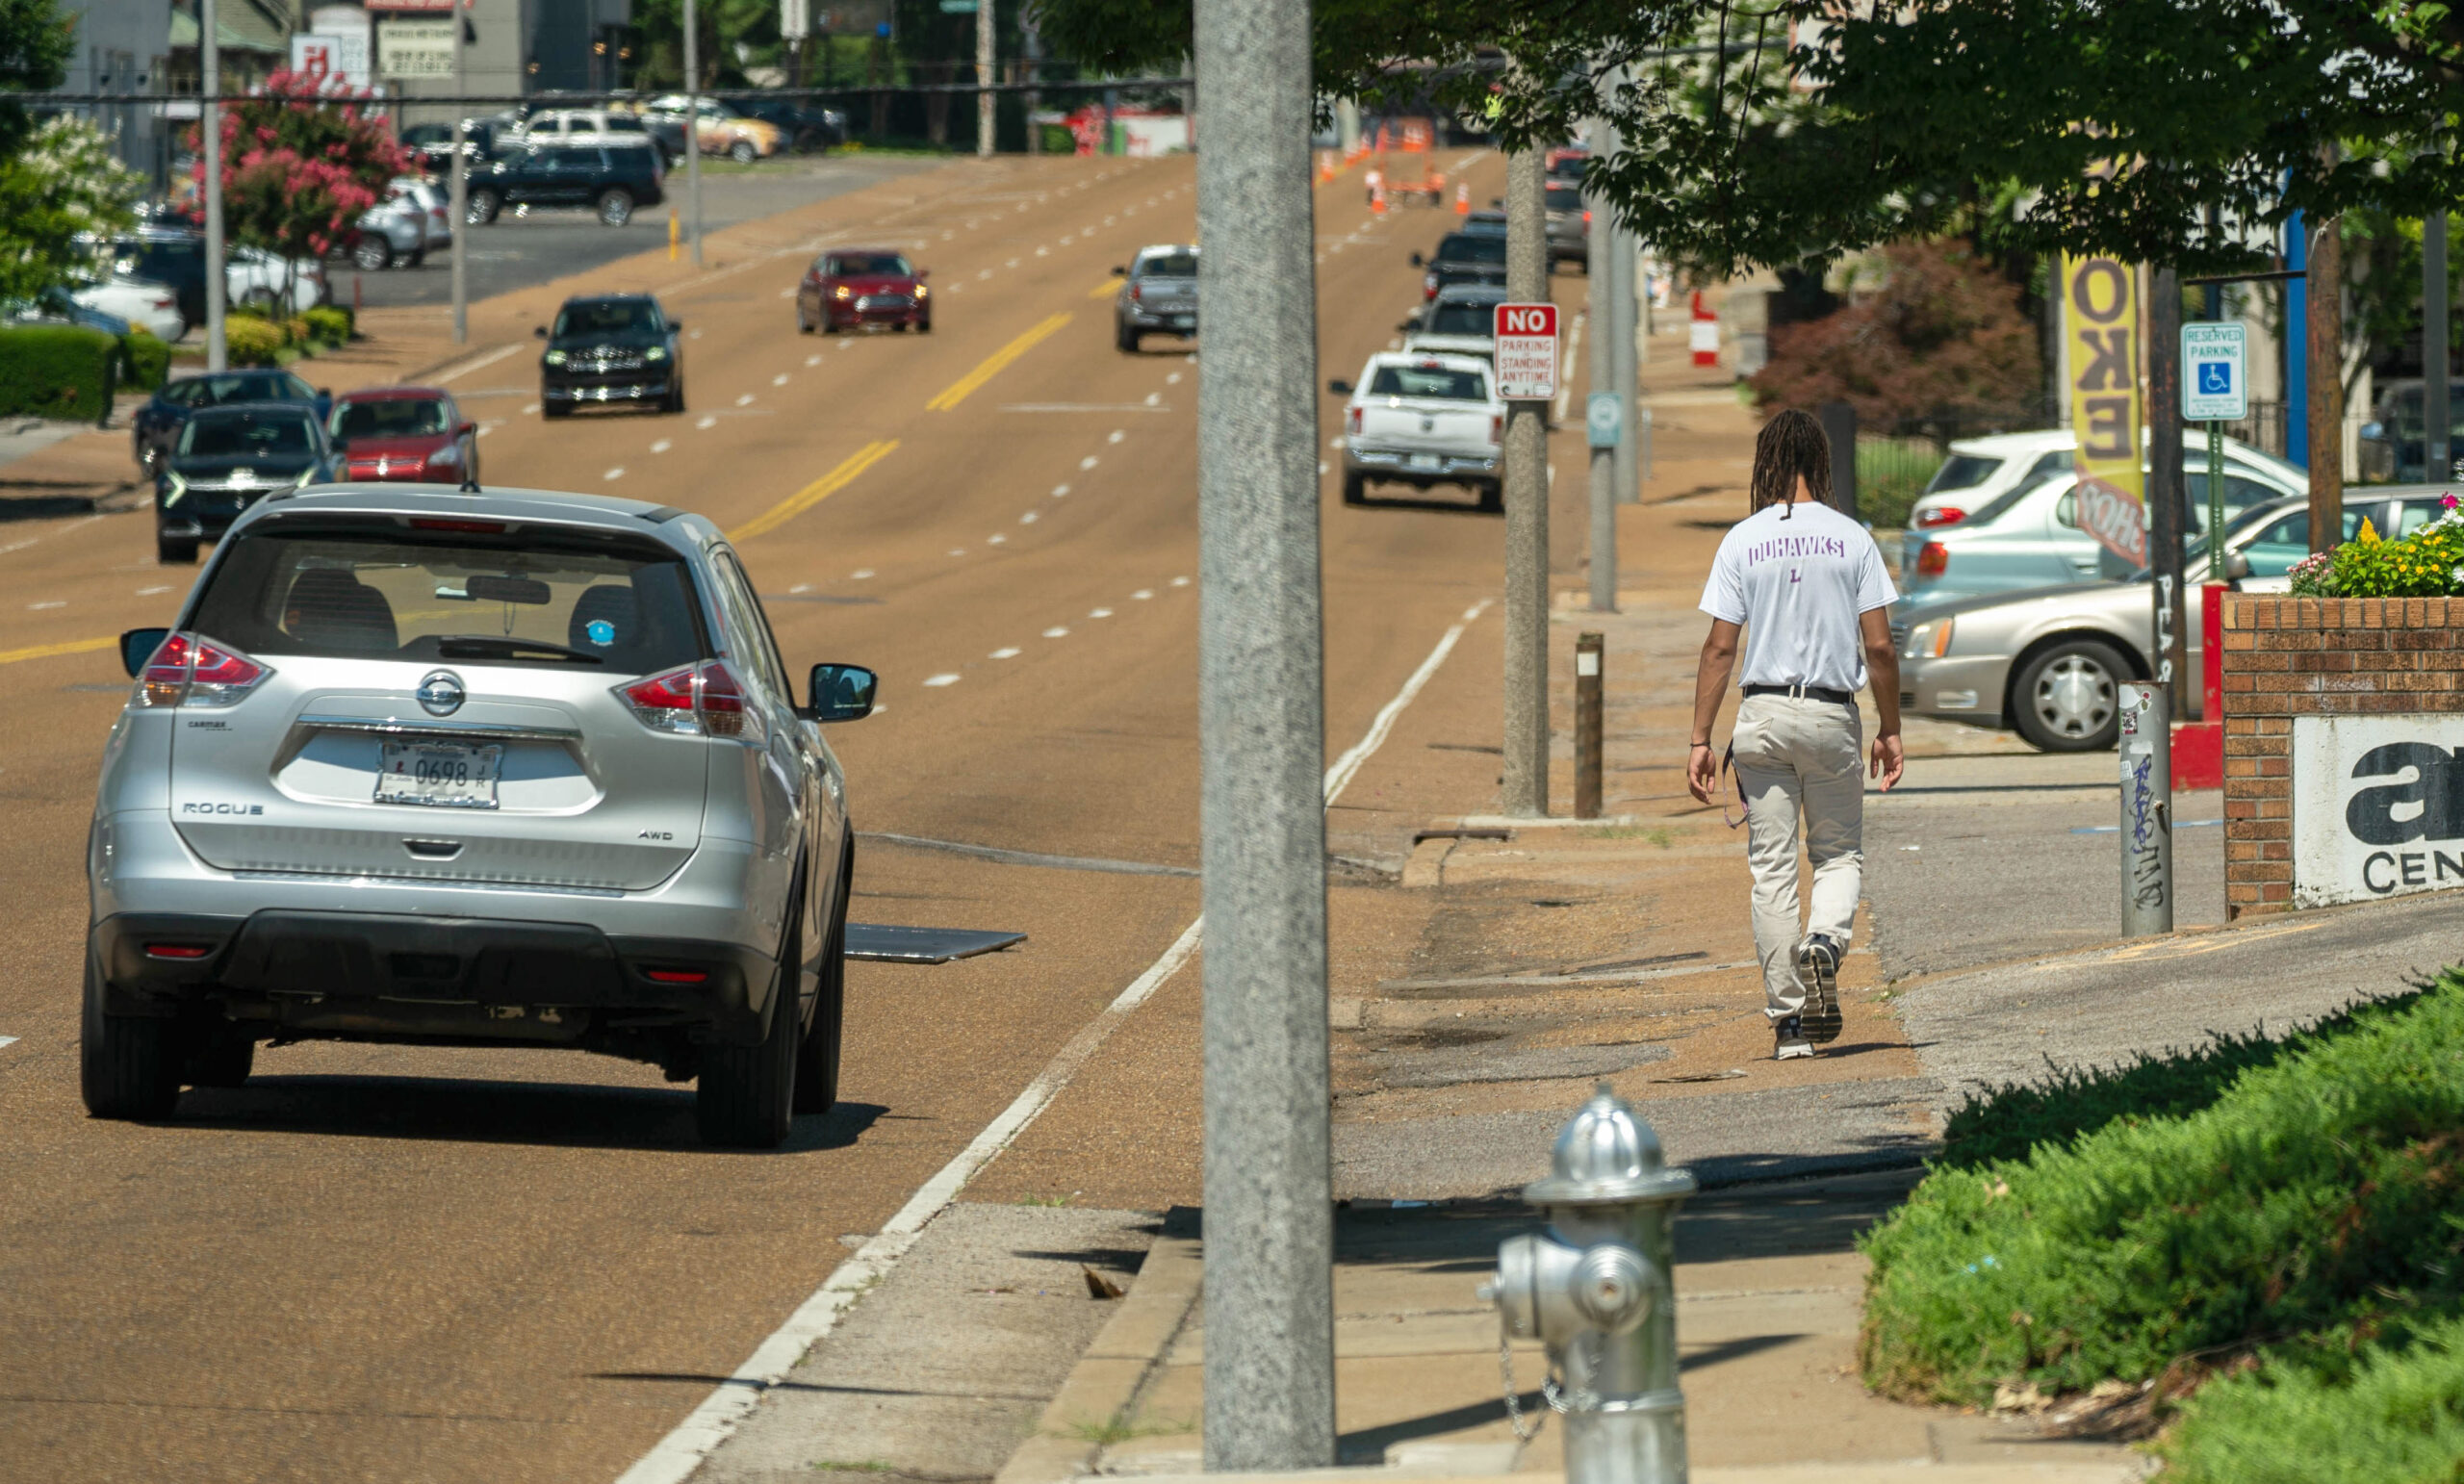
(449, 768)
(2048, 662)
(1158, 296)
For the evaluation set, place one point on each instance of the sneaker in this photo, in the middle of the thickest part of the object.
(1818, 971)
(1792, 1043)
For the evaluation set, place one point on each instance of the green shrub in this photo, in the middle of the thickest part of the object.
(1890, 474)
(330, 323)
(144, 361)
(55, 371)
(248, 340)
(2315, 1204)
(2429, 563)
(2398, 1419)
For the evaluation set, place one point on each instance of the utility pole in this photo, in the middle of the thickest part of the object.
(1269, 1199)
(984, 31)
(1624, 372)
(1599, 249)
(693, 126)
(2164, 496)
(218, 354)
(1526, 508)
(460, 209)
(2327, 410)
(2437, 459)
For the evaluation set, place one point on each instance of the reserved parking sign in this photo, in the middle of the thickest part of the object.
(1526, 336)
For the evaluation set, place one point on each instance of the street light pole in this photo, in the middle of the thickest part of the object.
(1526, 508)
(983, 35)
(218, 354)
(1599, 249)
(460, 209)
(693, 126)
(1269, 1212)
(1625, 374)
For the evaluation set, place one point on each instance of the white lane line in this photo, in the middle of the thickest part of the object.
(1100, 613)
(57, 603)
(1059, 490)
(812, 360)
(473, 364)
(1174, 379)
(1154, 397)
(801, 587)
(1028, 518)
(1118, 436)
(1055, 632)
(860, 573)
(789, 292)
(1322, 466)
(706, 423)
(958, 550)
(1089, 462)
(148, 592)
(1343, 769)
(746, 400)
(1180, 582)
(1005, 653)
(985, 273)
(1143, 594)
(1013, 263)
(617, 472)
(531, 409)
(941, 679)
(662, 445)
(850, 344)
(7, 1040)
(779, 380)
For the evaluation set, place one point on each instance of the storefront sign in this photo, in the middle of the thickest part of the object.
(2378, 806)
(414, 48)
(2100, 318)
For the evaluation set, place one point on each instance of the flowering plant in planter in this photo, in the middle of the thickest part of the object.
(2429, 563)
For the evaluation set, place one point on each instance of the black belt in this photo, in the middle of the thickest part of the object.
(1840, 698)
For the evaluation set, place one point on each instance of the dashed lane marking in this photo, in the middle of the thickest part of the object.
(819, 490)
(1055, 631)
(965, 386)
(941, 679)
(1005, 653)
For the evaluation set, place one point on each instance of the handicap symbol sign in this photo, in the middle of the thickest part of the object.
(2216, 378)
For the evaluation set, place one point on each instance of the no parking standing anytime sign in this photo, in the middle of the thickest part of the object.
(1526, 336)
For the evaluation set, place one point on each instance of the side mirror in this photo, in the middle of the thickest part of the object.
(1415, 261)
(2237, 566)
(676, 324)
(1408, 325)
(1340, 388)
(467, 430)
(1120, 271)
(841, 693)
(138, 645)
(539, 331)
(923, 273)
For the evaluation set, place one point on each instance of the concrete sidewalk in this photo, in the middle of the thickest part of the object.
(1767, 1285)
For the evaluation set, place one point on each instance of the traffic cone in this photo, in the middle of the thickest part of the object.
(1462, 198)
(1378, 200)
(1704, 334)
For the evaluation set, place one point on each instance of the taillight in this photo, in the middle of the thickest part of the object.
(1496, 428)
(176, 949)
(460, 528)
(676, 975)
(698, 701)
(1137, 293)
(1934, 561)
(1428, 285)
(192, 671)
(1356, 421)
(1939, 515)
(1587, 219)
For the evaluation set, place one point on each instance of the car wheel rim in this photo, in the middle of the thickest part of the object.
(2074, 696)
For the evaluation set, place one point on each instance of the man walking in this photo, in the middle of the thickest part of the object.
(1807, 585)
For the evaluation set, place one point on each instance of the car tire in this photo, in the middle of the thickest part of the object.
(1127, 339)
(924, 326)
(743, 152)
(804, 324)
(549, 409)
(1355, 489)
(746, 1098)
(817, 1052)
(222, 1059)
(128, 1066)
(674, 403)
(417, 259)
(175, 550)
(1493, 497)
(479, 208)
(615, 206)
(372, 254)
(2068, 698)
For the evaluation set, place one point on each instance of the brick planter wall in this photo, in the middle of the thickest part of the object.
(2288, 657)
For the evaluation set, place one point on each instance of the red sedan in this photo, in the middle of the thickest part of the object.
(406, 435)
(853, 287)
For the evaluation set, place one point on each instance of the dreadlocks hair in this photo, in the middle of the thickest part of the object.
(1792, 446)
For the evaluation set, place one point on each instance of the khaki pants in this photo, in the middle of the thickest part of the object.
(1798, 756)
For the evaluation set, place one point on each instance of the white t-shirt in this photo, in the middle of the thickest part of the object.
(1797, 577)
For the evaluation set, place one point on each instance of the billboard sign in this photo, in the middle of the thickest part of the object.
(2100, 320)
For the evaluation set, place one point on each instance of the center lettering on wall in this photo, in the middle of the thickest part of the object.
(2378, 806)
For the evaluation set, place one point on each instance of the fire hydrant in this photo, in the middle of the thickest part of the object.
(1597, 1288)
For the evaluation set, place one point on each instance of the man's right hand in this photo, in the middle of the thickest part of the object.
(1702, 773)
(1887, 761)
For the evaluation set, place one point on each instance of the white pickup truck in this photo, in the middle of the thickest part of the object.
(1422, 419)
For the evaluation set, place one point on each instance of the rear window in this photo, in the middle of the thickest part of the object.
(1467, 386)
(211, 391)
(1462, 319)
(247, 434)
(622, 123)
(384, 596)
(393, 418)
(1168, 265)
(1565, 198)
(872, 265)
(1464, 248)
(609, 316)
(1962, 472)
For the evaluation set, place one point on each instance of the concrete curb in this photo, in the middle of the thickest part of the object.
(1105, 1383)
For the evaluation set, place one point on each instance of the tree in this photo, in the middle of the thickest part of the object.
(35, 44)
(60, 191)
(1937, 333)
(299, 164)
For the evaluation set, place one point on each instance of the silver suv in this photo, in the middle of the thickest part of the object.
(516, 768)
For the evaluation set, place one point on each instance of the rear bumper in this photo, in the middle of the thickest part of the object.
(614, 387)
(845, 312)
(1175, 322)
(1398, 463)
(390, 974)
(1967, 688)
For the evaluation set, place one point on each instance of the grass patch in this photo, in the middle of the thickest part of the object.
(1658, 834)
(1045, 1200)
(2398, 1419)
(860, 1465)
(2293, 1207)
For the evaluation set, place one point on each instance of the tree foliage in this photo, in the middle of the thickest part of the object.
(1770, 132)
(1938, 333)
(299, 164)
(64, 186)
(35, 44)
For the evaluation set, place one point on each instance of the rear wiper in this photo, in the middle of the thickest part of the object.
(492, 647)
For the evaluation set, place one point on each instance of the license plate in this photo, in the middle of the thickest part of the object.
(1424, 461)
(447, 775)
(1185, 321)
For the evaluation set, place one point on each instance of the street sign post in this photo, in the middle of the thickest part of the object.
(2216, 390)
(1527, 337)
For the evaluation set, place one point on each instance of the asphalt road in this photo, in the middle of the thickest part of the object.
(516, 251)
(392, 1264)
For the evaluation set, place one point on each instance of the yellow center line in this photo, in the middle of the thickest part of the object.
(819, 490)
(1107, 289)
(959, 390)
(47, 650)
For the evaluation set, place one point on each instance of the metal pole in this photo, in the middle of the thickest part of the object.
(693, 125)
(984, 79)
(2437, 459)
(2327, 400)
(1599, 249)
(1624, 371)
(2165, 501)
(1526, 508)
(2146, 811)
(1269, 1209)
(1839, 426)
(218, 354)
(460, 209)
(2214, 505)
(1588, 682)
